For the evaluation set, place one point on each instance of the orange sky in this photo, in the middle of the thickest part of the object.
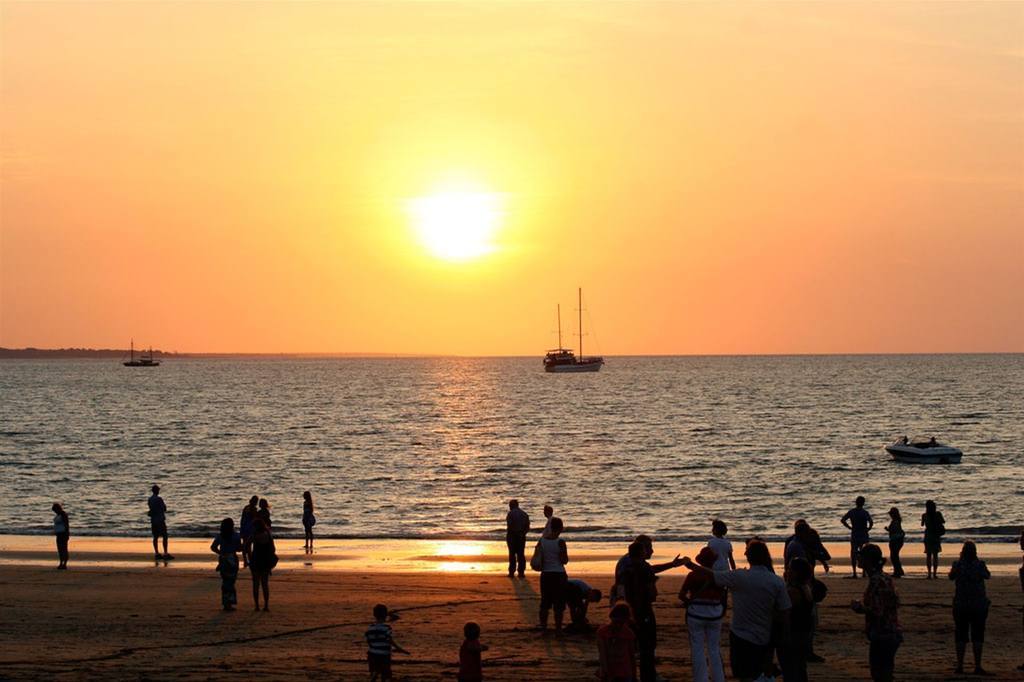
(720, 178)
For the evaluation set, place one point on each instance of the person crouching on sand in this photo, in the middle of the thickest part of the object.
(380, 643)
(880, 606)
(62, 531)
(226, 546)
(470, 664)
(616, 646)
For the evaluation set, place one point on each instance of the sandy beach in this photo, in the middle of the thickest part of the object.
(117, 618)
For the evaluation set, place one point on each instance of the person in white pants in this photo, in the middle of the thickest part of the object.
(705, 607)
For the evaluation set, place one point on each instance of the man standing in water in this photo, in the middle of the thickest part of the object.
(859, 521)
(158, 521)
(517, 525)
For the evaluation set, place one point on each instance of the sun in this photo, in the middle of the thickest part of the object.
(456, 225)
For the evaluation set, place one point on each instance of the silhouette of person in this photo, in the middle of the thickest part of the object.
(158, 521)
(246, 525)
(470, 665)
(62, 531)
(549, 513)
(517, 525)
(226, 546)
(760, 600)
(859, 522)
(308, 519)
(554, 556)
(262, 562)
(880, 606)
(264, 513)
(578, 597)
(704, 602)
(934, 528)
(897, 536)
(616, 647)
(795, 654)
(970, 605)
(639, 581)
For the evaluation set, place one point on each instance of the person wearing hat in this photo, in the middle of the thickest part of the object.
(704, 602)
(880, 606)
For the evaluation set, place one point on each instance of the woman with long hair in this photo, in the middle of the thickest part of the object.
(308, 519)
(970, 605)
(897, 536)
(262, 562)
(705, 606)
(62, 531)
(226, 546)
(934, 528)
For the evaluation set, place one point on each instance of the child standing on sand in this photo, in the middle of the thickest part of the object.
(380, 644)
(616, 647)
(470, 665)
(721, 547)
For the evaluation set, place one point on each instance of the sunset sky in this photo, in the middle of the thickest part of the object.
(434, 178)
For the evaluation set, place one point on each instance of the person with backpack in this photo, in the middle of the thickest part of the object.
(549, 558)
(704, 602)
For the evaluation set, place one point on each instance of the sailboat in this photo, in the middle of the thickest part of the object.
(145, 360)
(563, 359)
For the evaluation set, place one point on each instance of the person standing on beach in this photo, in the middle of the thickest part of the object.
(880, 606)
(859, 522)
(795, 654)
(158, 521)
(721, 547)
(897, 536)
(263, 513)
(262, 562)
(308, 519)
(246, 525)
(380, 644)
(934, 528)
(641, 591)
(517, 525)
(553, 556)
(549, 513)
(760, 601)
(704, 602)
(62, 531)
(623, 564)
(226, 546)
(970, 605)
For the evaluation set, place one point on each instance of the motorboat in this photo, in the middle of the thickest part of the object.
(923, 451)
(561, 359)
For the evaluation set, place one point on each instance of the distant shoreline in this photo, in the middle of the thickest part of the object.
(31, 353)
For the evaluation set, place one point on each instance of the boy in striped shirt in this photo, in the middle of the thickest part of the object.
(380, 645)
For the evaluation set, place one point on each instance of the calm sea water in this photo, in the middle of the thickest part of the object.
(435, 447)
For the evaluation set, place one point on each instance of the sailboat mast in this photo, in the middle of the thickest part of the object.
(559, 309)
(581, 321)
(132, 351)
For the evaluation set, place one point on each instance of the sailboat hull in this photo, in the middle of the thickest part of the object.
(586, 366)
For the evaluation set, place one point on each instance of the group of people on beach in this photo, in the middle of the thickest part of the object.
(774, 618)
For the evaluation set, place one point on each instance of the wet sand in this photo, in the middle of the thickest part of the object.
(138, 620)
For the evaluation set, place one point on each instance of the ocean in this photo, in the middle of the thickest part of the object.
(434, 447)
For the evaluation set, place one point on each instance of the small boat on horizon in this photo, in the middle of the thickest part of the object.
(145, 360)
(919, 450)
(561, 359)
